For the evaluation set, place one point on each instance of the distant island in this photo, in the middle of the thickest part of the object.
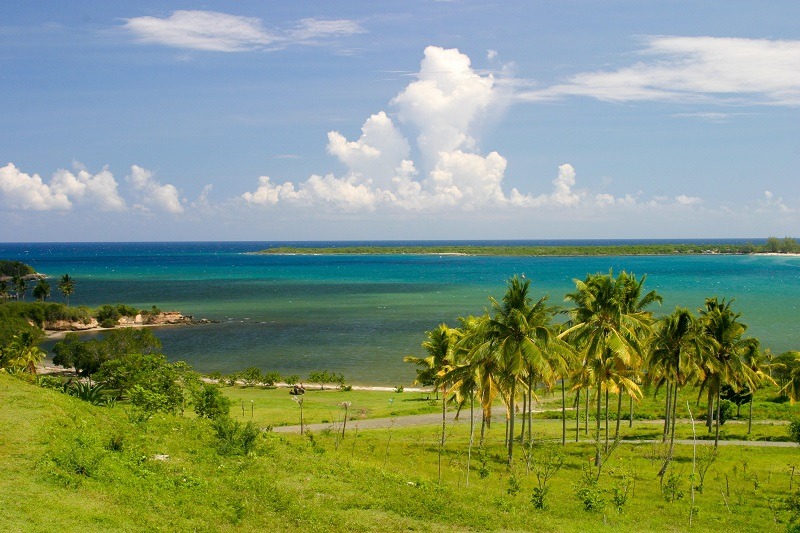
(786, 245)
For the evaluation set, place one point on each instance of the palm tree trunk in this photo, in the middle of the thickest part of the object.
(667, 417)
(586, 414)
(750, 417)
(619, 413)
(630, 417)
(598, 460)
(716, 430)
(441, 443)
(564, 414)
(511, 432)
(606, 415)
(577, 414)
(530, 407)
(471, 429)
(710, 415)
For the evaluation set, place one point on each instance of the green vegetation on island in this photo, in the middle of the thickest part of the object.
(773, 245)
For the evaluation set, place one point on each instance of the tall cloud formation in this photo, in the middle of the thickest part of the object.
(444, 106)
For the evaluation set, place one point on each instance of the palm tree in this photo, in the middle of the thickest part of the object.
(609, 324)
(24, 352)
(723, 363)
(20, 287)
(42, 290)
(439, 356)
(676, 347)
(66, 286)
(760, 363)
(792, 387)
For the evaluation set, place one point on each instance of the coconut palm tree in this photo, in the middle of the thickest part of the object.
(675, 350)
(42, 290)
(24, 352)
(66, 286)
(760, 362)
(792, 387)
(609, 324)
(724, 362)
(20, 287)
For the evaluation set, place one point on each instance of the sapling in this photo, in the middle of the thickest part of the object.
(545, 466)
(345, 405)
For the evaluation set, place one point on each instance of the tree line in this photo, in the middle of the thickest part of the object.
(610, 346)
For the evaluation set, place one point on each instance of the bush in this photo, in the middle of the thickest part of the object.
(209, 402)
(794, 431)
(234, 438)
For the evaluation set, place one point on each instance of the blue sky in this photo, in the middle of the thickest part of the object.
(399, 120)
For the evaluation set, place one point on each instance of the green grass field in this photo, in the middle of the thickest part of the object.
(70, 466)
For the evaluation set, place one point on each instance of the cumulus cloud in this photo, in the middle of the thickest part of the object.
(444, 106)
(221, 32)
(694, 69)
(25, 192)
(98, 190)
(152, 193)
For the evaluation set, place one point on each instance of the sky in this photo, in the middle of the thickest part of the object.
(348, 120)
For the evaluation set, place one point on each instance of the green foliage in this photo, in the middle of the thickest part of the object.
(726, 411)
(209, 402)
(148, 380)
(671, 487)
(251, 376)
(794, 431)
(773, 245)
(324, 377)
(269, 379)
(15, 268)
(95, 394)
(235, 438)
(588, 492)
(293, 379)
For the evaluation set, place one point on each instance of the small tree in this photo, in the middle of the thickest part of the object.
(66, 286)
(209, 402)
(252, 376)
(42, 290)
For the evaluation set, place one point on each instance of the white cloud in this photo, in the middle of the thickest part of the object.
(99, 190)
(444, 106)
(152, 193)
(687, 200)
(21, 191)
(445, 102)
(695, 69)
(771, 203)
(376, 154)
(310, 30)
(221, 32)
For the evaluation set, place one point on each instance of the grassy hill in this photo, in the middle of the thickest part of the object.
(73, 466)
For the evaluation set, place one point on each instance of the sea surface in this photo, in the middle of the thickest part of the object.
(359, 315)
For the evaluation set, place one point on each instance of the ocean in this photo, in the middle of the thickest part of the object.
(359, 315)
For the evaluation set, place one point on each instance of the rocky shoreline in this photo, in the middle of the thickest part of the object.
(59, 328)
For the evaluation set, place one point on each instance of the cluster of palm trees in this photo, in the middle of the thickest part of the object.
(41, 291)
(610, 344)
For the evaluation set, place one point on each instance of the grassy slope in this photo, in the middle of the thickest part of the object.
(63, 474)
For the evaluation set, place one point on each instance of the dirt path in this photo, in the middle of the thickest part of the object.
(436, 418)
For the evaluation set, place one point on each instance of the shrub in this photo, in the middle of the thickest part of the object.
(794, 431)
(209, 402)
(588, 493)
(234, 438)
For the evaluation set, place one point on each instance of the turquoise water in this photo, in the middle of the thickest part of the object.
(360, 315)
